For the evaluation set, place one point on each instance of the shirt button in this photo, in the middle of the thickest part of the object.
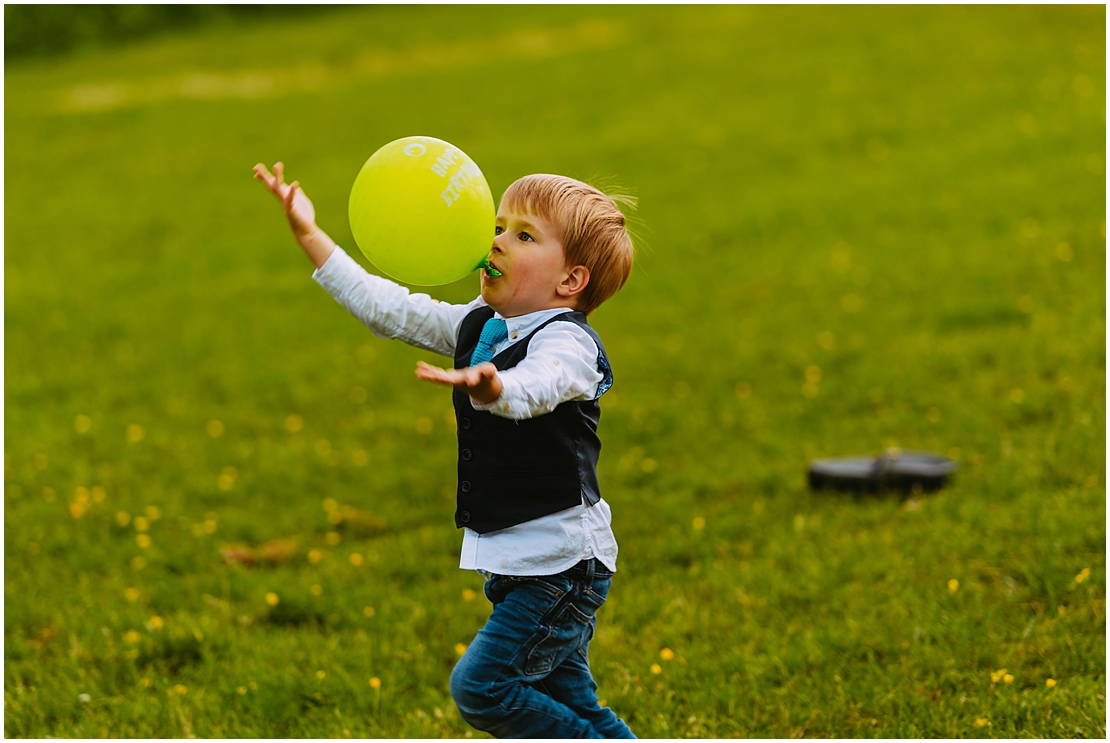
(465, 517)
(465, 422)
(513, 335)
(465, 486)
(466, 454)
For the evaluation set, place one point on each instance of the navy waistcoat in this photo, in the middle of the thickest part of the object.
(514, 471)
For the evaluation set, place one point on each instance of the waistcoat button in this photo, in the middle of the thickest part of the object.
(465, 486)
(465, 422)
(464, 517)
(466, 454)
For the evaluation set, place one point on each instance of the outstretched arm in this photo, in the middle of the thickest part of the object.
(300, 213)
(480, 382)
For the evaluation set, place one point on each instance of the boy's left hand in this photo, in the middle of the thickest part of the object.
(480, 382)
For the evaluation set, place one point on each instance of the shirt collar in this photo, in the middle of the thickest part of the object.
(522, 325)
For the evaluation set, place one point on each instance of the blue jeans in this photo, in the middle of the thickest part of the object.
(527, 673)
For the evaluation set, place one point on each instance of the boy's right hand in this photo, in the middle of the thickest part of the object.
(300, 213)
(298, 209)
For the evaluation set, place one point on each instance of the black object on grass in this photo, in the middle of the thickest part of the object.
(894, 469)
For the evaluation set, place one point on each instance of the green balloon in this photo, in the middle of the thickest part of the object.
(422, 212)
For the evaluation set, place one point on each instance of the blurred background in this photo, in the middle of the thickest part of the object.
(228, 505)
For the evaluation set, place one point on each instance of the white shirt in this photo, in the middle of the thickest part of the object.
(561, 365)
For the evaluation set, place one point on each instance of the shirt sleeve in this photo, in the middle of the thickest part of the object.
(390, 310)
(561, 365)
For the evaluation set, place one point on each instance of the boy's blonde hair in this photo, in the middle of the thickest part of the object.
(592, 229)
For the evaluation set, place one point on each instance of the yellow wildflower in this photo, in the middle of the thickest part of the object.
(356, 559)
(369, 611)
(131, 594)
(1008, 678)
(469, 595)
(131, 636)
(699, 523)
(143, 540)
(1083, 575)
(272, 598)
(666, 654)
(996, 676)
(953, 585)
(317, 590)
(1050, 683)
(981, 721)
(460, 648)
(320, 675)
(180, 689)
(375, 683)
(656, 668)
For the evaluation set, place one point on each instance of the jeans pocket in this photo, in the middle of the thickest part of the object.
(559, 637)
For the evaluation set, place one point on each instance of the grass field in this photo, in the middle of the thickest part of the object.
(228, 506)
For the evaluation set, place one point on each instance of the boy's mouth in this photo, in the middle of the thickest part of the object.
(491, 270)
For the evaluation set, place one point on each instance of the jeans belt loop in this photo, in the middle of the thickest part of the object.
(590, 573)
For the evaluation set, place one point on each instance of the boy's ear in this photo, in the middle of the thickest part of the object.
(575, 281)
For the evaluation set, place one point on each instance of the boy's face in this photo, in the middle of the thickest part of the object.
(529, 254)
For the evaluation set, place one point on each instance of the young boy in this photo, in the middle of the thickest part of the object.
(527, 375)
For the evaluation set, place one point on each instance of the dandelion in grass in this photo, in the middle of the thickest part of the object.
(123, 518)
(953, 585)
(1050, 683)
(317, 590)
(146, 683)
(143, 540)
(460, 649)
(469, 594)
(155, 623)
(180, 689)
(1083, 575)
(997, 676)
(314, 556)
(666, 654)
(375, 683)
(656, 668)
(131, 636)
(369, 611)
(1008, 678)
(981, 721)
(320, 675)
(699, 523)
(272, 598)
(242, 690)
(356, 559)
(332, 538)
(131, 594)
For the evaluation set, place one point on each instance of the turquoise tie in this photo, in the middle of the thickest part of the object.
(493, 332)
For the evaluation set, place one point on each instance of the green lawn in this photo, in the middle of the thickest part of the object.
(859, 227)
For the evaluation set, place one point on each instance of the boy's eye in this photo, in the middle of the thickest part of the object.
(524, 236)
(497, 230)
